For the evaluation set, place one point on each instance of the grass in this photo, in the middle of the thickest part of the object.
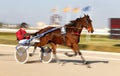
(101, 43)
(8, 38)
(96, 42)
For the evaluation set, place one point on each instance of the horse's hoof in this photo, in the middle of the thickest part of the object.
(66, 53)
(106, 61)
(69, 55)
(58, 61)
(85, 62)
(30, 54)
(89, 66)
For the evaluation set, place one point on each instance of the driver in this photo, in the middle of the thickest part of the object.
(22, 35)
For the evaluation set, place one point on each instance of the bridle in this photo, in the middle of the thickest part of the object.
(86, 25)
(79, 24)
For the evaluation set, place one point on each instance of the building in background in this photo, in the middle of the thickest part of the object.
(115, 28)
(55, 19)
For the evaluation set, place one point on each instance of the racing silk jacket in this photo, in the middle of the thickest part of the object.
(20, 34)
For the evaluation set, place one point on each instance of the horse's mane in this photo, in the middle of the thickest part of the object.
(42, 30)
(73, 23)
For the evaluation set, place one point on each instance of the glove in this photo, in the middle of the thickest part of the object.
(26, 35)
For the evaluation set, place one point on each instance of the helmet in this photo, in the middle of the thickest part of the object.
(23, 25)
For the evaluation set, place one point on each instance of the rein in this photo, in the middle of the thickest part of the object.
(76, 33)
(75, 30)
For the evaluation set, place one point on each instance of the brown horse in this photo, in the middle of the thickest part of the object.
(70, 38)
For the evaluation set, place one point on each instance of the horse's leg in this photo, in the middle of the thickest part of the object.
(31, 54)
(83, 59)
(54, 51)
(76, 51)
(74, 48)
(71, 55)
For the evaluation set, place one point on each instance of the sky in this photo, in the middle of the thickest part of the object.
(34, 11)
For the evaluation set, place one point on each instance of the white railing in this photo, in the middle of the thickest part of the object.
(15, 30)
(96, 31)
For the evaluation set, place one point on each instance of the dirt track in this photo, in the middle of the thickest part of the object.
(102, 65)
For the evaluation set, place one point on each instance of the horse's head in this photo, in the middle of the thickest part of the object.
(86, 23)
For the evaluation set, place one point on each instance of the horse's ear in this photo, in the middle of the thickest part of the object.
(87, 16)
(77, 19)
(80, 17)
(84, 14)
(72, 20)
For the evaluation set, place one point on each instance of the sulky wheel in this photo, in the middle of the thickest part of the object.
(46, 55)
(21, 55)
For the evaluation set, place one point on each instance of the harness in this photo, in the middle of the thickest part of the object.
(75, 30)
(63, 30)
(46, 32)
(39, 36)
